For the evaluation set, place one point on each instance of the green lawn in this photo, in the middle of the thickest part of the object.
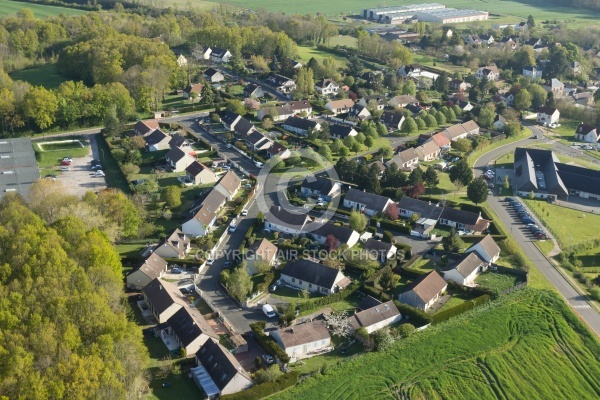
(343, 40)
(489, 352)
(114, 175)
(525, 133)
(8, 7)
(52, 152)
(497, 280)
(581, 226)
(545, 246)
(45, 75)
(566, 130)
(306, 53)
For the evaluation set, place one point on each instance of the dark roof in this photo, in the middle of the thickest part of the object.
(369, 200)
(368, 302)
(391, 118)
(283, 216)
(159, 295)
(547, 110)
(184, 326)
(175, 154)
(153, 266)
(229, 117)
(195, 168)
(377, 245)
(276, 148)
(146, 126)
(529, 162)
(578, 178)
(460, 216)
(256, 137)
(311, 272)
(279, 79)
(467, 264)
(243, 126)
(177, 140)
(341, 233)
(300, 123)
(220, 364)
(489, 246)
(427, 286)
(415, 109)
(374, 315)
(210, 72)
(218, 52)
(423, 208)
(156, 137)
(341, 131)
(250, 88)
(323, 186)
(357, 109)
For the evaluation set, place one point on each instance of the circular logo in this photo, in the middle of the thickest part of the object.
(286, 207)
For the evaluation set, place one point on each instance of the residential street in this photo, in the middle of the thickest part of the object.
(579, 304)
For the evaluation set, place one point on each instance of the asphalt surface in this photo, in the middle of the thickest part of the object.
(579, 303)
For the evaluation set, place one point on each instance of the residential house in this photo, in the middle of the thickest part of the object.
(327, 87)
(499, 122)
(337, 131)
(547, 115)
(162, 300)
(490, 72)
(180, 142)
(575, 68)
(473, 40)
(181, 60)
(301, 126)
(204, 218)
(441, 139)
(534, 42)
(462, 131)
(428, 151)
(403, 101)
(360, 112)
(584, 98)
(458, 85)
(257, 141)
(218, 372)
(304, 340)
(188, 329)
(284, 111)
(464, 105)
(380, 167)
(487, 249)
(253, 91)
(532, 72)
(243, 128)
(157, 140)
(202, 54)
(200, 174)
(219, 55)
(556, 87)
(296, 64)
(277, 149)
(407, 206)
(230, 119)
(325, 189)
(281, 220)
(424, 291)
(393, 120)
(261, 250)
(339, 106)
(177, 245)
(376, 318)
(228, 185)
(151, 268)
(465, 270)
(587, 133)
(382, 250)
(367, 101)
(281, 83)
(194, 88)
(343, 234)
(301, 107)
(409, 70)
(486, 39)
(178, 159)
(212, 75)
(463, 220)
(368, 203)
(570, 89)
(405, 160)
(146, 127)
(507, 43)
(315, 277)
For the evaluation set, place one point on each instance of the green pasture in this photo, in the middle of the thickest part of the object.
(8, 7)
(45, 75)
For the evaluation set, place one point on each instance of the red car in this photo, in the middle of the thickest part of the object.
(65, 162)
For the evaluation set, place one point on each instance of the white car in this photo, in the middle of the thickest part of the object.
(99, 173)
(210, 261)
(244, 213)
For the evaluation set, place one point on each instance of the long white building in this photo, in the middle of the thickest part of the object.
(427, 12)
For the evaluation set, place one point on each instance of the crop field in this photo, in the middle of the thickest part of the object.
(514, 9)
(527, 345)
(8, 7)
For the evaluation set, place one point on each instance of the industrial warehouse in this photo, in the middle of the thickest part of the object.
(427, 12)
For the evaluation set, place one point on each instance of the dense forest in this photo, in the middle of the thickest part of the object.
(64, 332)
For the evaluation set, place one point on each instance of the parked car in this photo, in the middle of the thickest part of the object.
(65, 168)
(487, 178)
(175, 270)
(269, 311)
(268, 358)
(228, 145)
(527, 221)
(244, 213)
(509, 199)
(96, 167)
(273, 288)
(64, 162)
(69, 159)
(210, 261)
(99, 173)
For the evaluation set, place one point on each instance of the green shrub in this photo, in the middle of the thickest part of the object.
(265, 389)
(416, 316)
(267, 343)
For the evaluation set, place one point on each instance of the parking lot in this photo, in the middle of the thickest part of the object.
(80, 177)
(528, 224)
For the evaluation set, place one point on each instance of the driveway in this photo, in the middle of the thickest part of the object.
(80, 178)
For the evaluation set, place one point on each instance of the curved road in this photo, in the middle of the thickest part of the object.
(578, 302)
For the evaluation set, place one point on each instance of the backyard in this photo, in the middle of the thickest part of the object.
(498, 281)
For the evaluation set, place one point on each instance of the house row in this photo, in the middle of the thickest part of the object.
(424, 291)
(214, 54)
(368, 203)
(205, 213)
(283, 111)
(159, 140)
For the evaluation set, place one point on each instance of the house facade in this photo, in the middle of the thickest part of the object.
(205, 216)
(587, 133)
(304, 340)
(177, 245)
(157, 140)
(466, 269)
(327, 87)
(405, 160)
(376, 318)
(178, 160)
(212, 75)
(261, 250)
(342, 234)
(532, 72)
(339, 106)
(320, 187)
(219, 55)
(301, 126)
(200, 174)
(491, 73)
(368, 203)
(487, 249)
(314, 277)
(281, 83)
(161, 298)
(424, 291)
(547, 115)
(428, 151)
(152, 268)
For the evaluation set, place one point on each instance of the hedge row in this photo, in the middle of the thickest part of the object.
(332, 298)
(267, 343)
(374, 292)
(461, 308)
(394, 226)
(265, 389)
(411, 262)
(418, 317)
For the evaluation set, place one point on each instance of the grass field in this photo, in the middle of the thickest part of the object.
(528, 345)
(498, 281)
(8, 7)
(53, 153)
(306, 53)
(45, 75)
(511, 10)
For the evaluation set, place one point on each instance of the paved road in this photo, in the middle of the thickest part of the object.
(578, 302)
